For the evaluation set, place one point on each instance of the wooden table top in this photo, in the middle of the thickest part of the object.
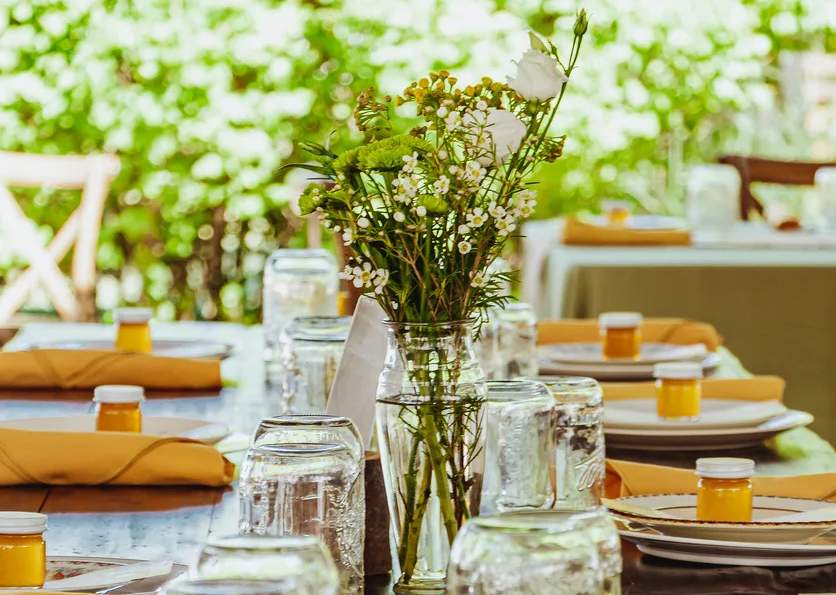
(173, 522)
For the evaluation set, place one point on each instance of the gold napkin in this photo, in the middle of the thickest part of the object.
(82, 369)
(757, 388)
(625, 478)
(112, 458)
(654, 330)
(580, 233)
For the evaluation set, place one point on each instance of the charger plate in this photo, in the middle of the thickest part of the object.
(614, 371)
(651, 353)
(204, 431)
(705, 439)
(641, 414)
(678, 512)
(189, 348)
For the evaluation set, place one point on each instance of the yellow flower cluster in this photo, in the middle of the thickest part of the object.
(439, 88)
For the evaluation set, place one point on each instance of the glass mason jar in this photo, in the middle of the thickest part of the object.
(430, 399)
(516, 328)
(297, 282)
(302, 561)
(543, 552)
(302, 428)
(311, 349)
(519, 447)
(713, 196)
(579, 442)
(181, 586)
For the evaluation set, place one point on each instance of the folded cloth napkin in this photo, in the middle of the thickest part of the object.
(81, 369)
(655, 330)
(757, 388)
(625, 478)
(580, 233)
(112, 458)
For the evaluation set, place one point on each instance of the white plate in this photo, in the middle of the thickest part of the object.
(151, 424)
(591, 353)
(770, 520)
(69, 566)
(192, 348)
(641, 414)
(705, 439)
(732, 553)
(607, 371)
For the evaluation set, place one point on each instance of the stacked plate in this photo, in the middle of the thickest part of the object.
(783, 531)
(587, 359)
(723, 424)
(191, 348)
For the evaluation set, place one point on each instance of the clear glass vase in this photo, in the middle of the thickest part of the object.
(430, 401)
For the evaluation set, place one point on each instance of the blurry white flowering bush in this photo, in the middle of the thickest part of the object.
(204, 99)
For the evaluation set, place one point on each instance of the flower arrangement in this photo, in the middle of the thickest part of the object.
(425, 214)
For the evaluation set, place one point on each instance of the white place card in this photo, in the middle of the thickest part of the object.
(355, 385)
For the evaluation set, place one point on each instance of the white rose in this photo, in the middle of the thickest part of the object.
(507, 132)
(538, 76)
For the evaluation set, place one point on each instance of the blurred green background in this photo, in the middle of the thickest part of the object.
(204, 99)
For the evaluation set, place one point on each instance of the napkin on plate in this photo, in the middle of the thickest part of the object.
(654, 330)
(83, 369)
(626, 478)
(108, 458)
(581, 233)
(756, 388)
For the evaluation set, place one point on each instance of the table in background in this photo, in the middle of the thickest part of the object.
(173, 522)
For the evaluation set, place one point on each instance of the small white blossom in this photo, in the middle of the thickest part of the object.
(347, 237)
(399, 217)
(381, 278)
(409, 163)
(364, 275)
(481, 105)
(496, 211)
(505, 226)
(442, 154)
(464, 247)
(421, 211)
(453, 169)
(347, 273)
(441, 112)
(463, 229)
(363, 222)
(474, 172)
(478, 279)
(442, 185)
(453, 120)
(394, 305)
(476, 218)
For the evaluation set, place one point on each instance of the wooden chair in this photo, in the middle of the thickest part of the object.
(756, 169)
(92, 174)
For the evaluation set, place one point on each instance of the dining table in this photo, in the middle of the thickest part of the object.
(173, 522)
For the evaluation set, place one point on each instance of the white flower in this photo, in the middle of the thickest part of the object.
(394, 305)
(507, 132)
(399, 217)
(406, 187)
(441, 112)
(524, 211)
(347, 273)
(464, 247)
(538, 76)
(463, 229)
(453, 120)
(421, 211)
(363, 222)
(505, 226)
(526, 195)
(476, 218)
(481, 105)
(364, 275)
(453, 169)
(478, 279)
(347, 237)
(381, 278)
(474, 172)
(409, 163)
(442, 185)
(442, 154)
(496, 211)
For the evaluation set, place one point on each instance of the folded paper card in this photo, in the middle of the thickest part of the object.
(654, 330)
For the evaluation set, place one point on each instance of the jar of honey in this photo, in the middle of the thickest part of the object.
(617, 212)
(678, 389)
(724, 489)
(118, 408)
(621, 334)
(133, 333)
(22, 549)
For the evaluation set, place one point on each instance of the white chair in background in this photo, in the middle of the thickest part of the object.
(74, 298)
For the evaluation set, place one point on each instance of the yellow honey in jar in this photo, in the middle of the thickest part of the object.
(118, 408)
(621, 335)
(678, 389)
(133, 332)
(724, 489)
(617, 212)
(22, 549)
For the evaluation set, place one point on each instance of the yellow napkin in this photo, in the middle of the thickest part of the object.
(654, 330)
(79, 369)
(757, 388)
(625, 478)
(113, 458)
(578, 232)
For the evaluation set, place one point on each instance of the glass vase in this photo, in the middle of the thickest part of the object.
(430, 400)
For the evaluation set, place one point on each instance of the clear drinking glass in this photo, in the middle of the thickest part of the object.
(519, 447)
(311, 349)
(713, 196)
(826, 189)
(579, 442)
(542, 553)
(300, 562)
(230, 587)
(487, 347)
(604, 533)
(297, 282)
(516, 328)
(284, 429)
(307, 489)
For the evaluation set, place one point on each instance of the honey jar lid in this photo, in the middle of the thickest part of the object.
(132, 315)
(725, 467)
(118, 393)
(620, 320)
(22, 523)
(678, 370)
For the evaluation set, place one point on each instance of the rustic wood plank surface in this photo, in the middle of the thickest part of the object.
(173, 522)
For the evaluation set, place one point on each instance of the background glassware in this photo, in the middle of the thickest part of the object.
(307, 489)
(231, 587)
(600, 526)
(516, 329)
(311, 349)
(542, 553)
(713, 196)
(519, 447)
(826, 189)
(297, 282)
(298, 560)
(579, 442)
(302, 428)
